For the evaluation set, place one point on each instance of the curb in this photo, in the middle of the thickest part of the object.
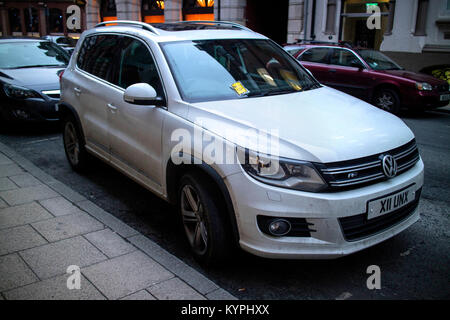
(186, 273)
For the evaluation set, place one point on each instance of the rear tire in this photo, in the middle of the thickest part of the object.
(205, 226)
(387, 100)
(74, 144)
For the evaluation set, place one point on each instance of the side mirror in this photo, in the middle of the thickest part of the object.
(142, 94)
(356, 64)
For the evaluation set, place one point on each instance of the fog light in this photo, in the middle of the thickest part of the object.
(279, 227)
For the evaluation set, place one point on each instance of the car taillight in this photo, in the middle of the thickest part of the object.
(60, 75)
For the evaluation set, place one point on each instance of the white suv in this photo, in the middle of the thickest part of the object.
(309, 172)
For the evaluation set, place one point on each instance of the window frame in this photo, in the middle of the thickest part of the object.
(115, 69)
(340, 65)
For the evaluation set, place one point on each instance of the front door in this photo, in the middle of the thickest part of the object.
(135, 130)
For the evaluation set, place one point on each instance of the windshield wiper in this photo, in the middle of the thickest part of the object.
(270, 93)
(39, 65)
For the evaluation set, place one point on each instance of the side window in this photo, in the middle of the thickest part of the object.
(136, 65)
(318, 55)
(97, 55)
(341, 57)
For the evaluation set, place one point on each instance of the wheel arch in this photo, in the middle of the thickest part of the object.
(173, 175)
(64, 109)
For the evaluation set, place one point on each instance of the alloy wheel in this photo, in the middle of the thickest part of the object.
(71, 143)
(193, 215)
(385, 101)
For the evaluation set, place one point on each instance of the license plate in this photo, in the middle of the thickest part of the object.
(445, 97)
(390, 203)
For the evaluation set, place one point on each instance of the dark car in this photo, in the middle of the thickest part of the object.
(67, 43)
(29, 79)
(372, 76)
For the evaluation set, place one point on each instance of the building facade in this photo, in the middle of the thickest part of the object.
(405, 26)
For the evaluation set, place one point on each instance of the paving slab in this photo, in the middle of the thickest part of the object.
(220, 294)
(22, 214)
(54, 258)
(59, 206)
(109, 220)
(3, 204)
(68, 226)
(14, 272)
(25, 180)
(4, 159)
(174, 289)
(140, 295)
(6, 184)
(55, 289)
(110, 243)
(19, 238)
(29, 194)
(194, 278)
(66, 191)
(10, 169)
(121, 276)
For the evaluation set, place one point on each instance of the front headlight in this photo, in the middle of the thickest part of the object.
(17, 92)
(423, 86)
(283, 173)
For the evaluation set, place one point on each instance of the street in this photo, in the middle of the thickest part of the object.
(414, 264)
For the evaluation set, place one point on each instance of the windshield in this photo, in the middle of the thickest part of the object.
(31, 54)
(378, 61)
(207, 70)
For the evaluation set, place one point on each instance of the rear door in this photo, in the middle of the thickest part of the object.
(95, 67)
(316, 60)
(349, 74)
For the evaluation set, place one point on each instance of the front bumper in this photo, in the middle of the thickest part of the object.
(323, 210)
(29, 110)
(425, 99)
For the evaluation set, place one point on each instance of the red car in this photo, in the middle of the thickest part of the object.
(371, 76)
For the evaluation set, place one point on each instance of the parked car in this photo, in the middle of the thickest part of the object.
(372, 76)
(67, 43)
(340, 175)
(293, 48)
(29, 79)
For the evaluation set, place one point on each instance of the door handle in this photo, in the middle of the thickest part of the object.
(77, 90)
(113, 108)
(332, 70)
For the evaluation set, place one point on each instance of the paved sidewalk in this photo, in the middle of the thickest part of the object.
(45, 227)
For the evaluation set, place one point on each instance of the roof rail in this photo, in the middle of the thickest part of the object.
(143, 25)
(227, 23)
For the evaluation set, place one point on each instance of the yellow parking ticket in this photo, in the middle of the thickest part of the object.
(239, 88)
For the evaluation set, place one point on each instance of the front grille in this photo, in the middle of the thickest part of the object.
(358, 227)
(363, 171)
(445, 87)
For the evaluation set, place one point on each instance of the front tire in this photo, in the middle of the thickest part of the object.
(74, 145)
(387, 100)
(204, 224)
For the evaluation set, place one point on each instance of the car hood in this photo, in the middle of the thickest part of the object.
(35, 78)
(321, 125)
(420, 77)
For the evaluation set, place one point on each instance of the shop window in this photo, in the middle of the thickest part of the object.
(14, 21)
(31, 19)
(152, 11)
(108, 10)
(198, 10)
(55, 21)
(331, 17)
(421, 21)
